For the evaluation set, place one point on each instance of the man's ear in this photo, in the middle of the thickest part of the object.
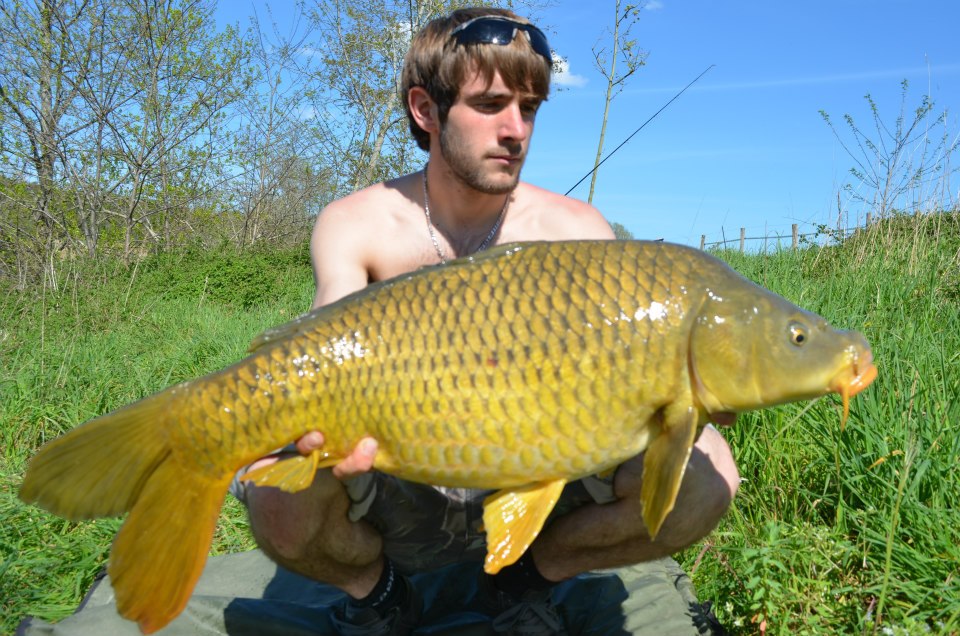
(423, 109)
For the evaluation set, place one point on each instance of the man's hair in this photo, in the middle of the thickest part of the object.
(439, 65)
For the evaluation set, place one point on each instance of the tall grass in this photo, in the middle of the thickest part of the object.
(833, 531)
(105, 337)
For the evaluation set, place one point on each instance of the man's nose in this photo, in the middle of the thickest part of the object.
(513, 125)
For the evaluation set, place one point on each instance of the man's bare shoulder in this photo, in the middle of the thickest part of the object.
(544, 215)
(372, 234)
(380, 205)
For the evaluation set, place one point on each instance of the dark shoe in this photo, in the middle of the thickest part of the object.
(534, 614)
(706, 621)
(399, 620)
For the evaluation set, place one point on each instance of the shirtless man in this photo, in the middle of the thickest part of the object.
(472, 84)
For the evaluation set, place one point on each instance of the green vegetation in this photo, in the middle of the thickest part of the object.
(105, 337)
(834, 531)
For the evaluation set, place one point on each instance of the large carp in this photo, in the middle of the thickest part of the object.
(518, 369)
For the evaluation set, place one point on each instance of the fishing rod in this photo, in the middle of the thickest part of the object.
(652, 117)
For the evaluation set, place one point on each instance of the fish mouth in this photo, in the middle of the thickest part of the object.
(853, 379)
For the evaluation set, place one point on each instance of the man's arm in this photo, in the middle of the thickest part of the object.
(339, 257)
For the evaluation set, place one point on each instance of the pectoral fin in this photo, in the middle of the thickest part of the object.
(290, 474)
(664, 464)
(513, 518)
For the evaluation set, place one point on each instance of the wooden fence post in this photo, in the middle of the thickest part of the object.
(794, 229)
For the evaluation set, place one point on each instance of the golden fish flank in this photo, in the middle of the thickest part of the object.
(518, 369)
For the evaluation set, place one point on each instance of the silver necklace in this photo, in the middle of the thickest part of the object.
(433, 235)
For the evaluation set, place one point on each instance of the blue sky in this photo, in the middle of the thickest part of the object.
(745, 146)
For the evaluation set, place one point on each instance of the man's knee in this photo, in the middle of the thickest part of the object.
(709, 485)
(285, 525)
(311, 526)
(717, 452)
(280, 535)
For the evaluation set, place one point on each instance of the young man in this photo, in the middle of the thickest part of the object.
(472, 84)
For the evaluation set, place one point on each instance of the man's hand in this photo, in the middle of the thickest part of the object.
(359, 461)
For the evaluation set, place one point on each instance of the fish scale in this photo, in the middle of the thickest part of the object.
(388, 373)
(518, 369)
(396, 365)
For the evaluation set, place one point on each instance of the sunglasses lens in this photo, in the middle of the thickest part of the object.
(539, 42)
(487, 32)
(501, 31)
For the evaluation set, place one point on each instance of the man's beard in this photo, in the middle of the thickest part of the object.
(469, 170)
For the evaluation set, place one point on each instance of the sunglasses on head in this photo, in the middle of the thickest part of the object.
(495, 29)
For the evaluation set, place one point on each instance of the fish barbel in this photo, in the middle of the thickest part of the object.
(518, 369)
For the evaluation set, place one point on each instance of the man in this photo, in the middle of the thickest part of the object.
(472, 85)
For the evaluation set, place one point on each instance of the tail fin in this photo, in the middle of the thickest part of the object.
(99, 469)
(122, 462)
(162, 547)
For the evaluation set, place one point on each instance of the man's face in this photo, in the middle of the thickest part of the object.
(487, 133)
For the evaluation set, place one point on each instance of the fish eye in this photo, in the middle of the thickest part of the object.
(798, 334)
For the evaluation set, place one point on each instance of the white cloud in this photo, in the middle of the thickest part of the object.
(653, 5)
(562, 75)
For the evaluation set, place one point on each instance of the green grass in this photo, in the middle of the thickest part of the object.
(852, 531)
(108, 336)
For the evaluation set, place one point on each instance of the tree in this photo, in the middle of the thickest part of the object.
(182, 75)
(901, 160)
(117, 106)
(632, 57)
(621, 231)
(46, 53)
(282, 176)
(89, 171)
(129, 125)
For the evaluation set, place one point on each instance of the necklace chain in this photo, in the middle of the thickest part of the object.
(433, 235)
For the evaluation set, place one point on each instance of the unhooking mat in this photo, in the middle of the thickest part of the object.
(246, 594)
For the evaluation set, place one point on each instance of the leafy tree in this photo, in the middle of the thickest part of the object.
(621, 231)
(136, 125)
(47, 50)
(113, 109)
(182, 75)
(280, 174)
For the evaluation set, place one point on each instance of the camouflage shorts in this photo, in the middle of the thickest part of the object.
(428, 527)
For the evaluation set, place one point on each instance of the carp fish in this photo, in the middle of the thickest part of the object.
(518, 369)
